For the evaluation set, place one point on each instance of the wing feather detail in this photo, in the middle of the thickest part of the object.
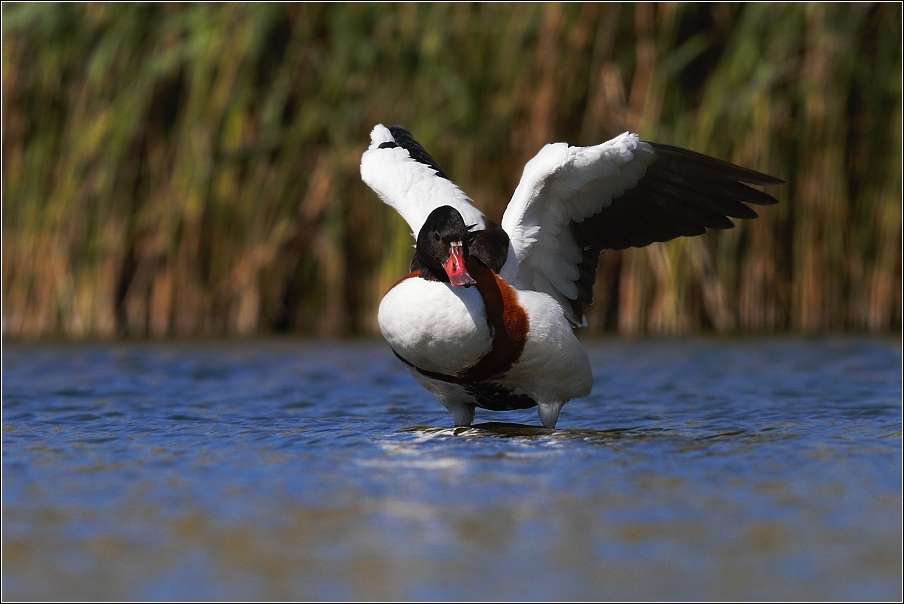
(573, 202)
(406, 178)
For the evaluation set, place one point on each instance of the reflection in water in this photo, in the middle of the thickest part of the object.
(681, 440)
(276, 470)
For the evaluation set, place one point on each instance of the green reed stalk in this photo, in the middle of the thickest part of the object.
(180, 170)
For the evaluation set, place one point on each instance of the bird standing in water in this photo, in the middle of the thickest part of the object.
(485, 317)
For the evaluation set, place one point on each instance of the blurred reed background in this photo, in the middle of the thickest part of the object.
(181, 170)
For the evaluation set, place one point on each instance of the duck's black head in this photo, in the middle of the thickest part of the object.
(442, 245)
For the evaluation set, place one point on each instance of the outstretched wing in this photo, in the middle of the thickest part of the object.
(405, 177)
(573, 202)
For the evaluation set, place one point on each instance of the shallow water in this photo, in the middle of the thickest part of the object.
(697, 469)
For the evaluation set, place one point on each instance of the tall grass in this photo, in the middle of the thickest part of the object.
(193, 169)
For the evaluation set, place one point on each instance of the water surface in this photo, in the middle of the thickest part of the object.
(698, 469)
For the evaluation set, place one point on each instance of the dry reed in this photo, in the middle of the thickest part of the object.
(181, 170)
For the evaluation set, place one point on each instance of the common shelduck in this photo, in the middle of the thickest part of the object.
(485, 317)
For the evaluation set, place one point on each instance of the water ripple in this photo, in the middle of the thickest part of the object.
(706, 468)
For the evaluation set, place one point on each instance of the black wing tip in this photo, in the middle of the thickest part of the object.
(404, 139)
(773, 181)
(398, 131)
(771, 201)
(728, 170)
(762, 180)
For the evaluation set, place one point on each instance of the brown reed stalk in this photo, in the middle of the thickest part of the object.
(182, 170)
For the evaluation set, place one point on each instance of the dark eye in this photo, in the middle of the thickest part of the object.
(436, 236)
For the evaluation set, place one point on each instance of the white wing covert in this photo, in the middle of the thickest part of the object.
(563, 185)
(405, 177)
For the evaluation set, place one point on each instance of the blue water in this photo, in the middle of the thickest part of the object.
(274, 469)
